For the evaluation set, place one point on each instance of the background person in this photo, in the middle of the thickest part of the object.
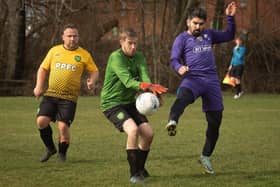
(200, 79)
(64, 64)
(126, 74)
(236, 67)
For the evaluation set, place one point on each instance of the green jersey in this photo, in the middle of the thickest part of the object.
(122, 79)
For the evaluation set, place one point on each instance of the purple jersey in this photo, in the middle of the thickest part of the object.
(197, 54)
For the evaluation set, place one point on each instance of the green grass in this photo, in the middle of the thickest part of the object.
(247, 153)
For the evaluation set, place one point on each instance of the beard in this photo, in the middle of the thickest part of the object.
(196, 33)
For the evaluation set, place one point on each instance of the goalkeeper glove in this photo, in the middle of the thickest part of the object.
(158, 89)
(145, 86)
(155, 88)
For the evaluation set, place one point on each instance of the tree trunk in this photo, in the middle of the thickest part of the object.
(19, 70)
(154, 41)
(143, 23)
(12, 45)
(181, 23)
(3, 37)
(219, 13)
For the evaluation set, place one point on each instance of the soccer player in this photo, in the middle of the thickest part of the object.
(126, 74)
(198, 70)
(237, 66)
(64, 64)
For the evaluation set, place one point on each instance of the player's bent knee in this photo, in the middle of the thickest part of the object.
(148, 138)
(133, 131)
(43, 121)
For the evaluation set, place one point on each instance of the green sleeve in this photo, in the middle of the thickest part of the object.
(143, 70)
(120, 67)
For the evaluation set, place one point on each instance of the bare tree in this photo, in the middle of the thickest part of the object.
(157, 21)
(181, 24)
(3, 37)
(219, 15)
(13, 22)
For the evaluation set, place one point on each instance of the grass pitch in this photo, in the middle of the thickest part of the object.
(247, 153)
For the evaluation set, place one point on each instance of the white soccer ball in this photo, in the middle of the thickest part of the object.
(147, 103)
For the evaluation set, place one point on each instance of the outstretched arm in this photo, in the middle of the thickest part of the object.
(231, 9)
(228, 34)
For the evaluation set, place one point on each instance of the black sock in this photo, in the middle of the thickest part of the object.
(142, 157)
(214, 119)
(46, 136)
(62, 147)
(238, 88)
(132, 160)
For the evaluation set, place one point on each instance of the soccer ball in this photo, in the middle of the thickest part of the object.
(147, 103)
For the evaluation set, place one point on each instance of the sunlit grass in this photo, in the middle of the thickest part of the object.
(247, 153)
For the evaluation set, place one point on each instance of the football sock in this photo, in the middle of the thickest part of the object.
(238, 88)
(132, 160)
(62, 147)
(142, 157)
(214, 119)
(46, 136)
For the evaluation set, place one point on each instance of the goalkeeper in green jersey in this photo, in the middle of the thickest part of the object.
(126, 74)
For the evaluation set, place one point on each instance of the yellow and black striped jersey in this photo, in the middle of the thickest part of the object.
(65, 70)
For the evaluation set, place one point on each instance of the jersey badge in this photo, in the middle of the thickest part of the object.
(120, 116)
(199, 38)
(77, 58)
(205, 36)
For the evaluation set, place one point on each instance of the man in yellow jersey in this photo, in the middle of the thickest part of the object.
(64, 64)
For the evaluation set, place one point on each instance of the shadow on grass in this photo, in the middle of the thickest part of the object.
(85, 161)
(174, 157)
(250, 174)
(270, 176)
(243, 174)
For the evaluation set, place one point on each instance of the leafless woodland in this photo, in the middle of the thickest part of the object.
(28, 28)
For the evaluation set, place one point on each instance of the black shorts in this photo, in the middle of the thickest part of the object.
(237, 71)
(119, 114)
(57, 109)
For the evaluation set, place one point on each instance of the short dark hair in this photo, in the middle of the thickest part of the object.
(197, 12)
(127, 32)
(69, 25)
